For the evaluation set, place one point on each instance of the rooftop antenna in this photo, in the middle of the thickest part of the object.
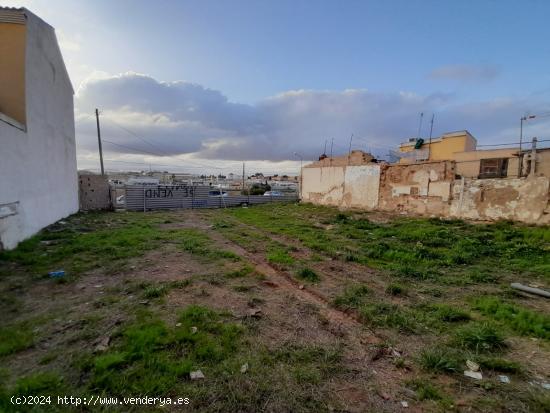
(420, 125)
(431, 130)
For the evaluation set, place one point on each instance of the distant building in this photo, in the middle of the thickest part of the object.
(438, 149)
(461, 147)
(38, 183)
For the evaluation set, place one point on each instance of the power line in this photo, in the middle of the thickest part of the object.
(163, 153)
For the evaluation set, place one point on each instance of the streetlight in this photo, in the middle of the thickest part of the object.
(301, 161)
(522, 119)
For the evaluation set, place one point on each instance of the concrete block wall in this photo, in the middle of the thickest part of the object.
(94, 192)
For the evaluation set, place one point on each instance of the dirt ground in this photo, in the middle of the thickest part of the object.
(378, 370)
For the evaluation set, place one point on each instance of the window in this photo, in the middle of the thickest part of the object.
(12, 67)
(493, 168)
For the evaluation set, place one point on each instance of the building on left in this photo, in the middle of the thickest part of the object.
(38, 175)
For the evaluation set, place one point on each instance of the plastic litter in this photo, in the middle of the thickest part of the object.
(57, 274)
(473, 374)
(196, 375)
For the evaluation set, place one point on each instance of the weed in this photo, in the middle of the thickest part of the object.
(389, 315)
(440, 359)
(425, 390)
(479, 337)
(352, 297)
(448, 314)
(149, 357)
(15, 338)
(308, 275)
(155, 291)
(241, 272)
(279, 256)
(518, 319)
(395, 289)
(499, 364)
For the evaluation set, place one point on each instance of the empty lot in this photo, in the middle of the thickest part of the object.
(286, 307)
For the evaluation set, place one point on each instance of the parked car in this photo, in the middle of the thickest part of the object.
(217, 193)
(273, 193)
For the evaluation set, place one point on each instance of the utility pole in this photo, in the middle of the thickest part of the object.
(349, 151)
(522, 119)
(533, 157)
(99, 141)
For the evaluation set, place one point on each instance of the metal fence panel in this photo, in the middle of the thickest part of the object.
(152, 197)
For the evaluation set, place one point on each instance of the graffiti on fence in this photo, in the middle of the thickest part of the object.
(168, 191)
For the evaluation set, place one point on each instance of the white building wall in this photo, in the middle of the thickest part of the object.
(354, 186)
(38, 176)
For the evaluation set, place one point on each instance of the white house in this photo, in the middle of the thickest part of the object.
(38, 177)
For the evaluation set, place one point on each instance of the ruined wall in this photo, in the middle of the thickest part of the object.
(427, 189)
(523, 199)
(342, 186)
(94, 192)
(417, 188)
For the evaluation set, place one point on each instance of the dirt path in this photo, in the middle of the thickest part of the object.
(283, 282)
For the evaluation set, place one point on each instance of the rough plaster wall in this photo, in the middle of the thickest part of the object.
(416, 188)
(38, 167)
(323, 186)
(361, 186)
(523, 199)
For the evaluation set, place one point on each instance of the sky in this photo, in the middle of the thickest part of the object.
(201, 86)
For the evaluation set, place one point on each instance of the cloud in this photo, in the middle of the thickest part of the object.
(467, 73)
(147, 117)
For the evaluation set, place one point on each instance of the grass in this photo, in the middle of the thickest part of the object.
(279, 256)
(151, 358)
(241, 272)
(520, 320)
(419, 248)
(396, 289)
(15, 338)
(308, 274)
(440, 359)
(425, 272)
(353, 297)
(427, 391)
(480, 337)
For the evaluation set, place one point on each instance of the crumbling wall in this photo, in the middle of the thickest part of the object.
(94, 192)
(417, 188)
(523, 199)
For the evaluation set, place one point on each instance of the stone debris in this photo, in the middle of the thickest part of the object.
(301, 286)
(196, 375)
(472, 365)
(254, 312)
(102, 345)
(244, 368)
(473, 374)
(504, 379)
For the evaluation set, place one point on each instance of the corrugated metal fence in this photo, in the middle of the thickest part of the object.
(148, 197)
